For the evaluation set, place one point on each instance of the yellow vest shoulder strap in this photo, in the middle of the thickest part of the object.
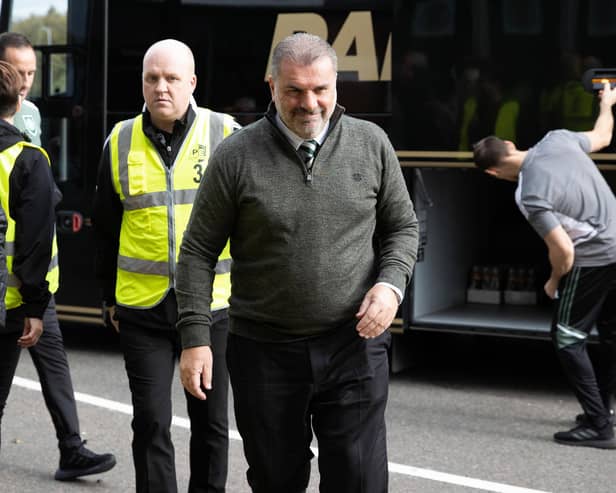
(32, 146)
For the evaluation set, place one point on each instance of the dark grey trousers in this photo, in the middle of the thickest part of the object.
(51, 364)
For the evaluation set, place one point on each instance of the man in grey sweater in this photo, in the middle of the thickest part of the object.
(570, 205)
(324, 239)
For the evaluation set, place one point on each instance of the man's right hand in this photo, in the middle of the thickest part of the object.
(33, 328)
(110, 318)
(601, 134)
(608, 94)
(196, 370)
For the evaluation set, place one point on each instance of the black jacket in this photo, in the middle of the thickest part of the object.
(32, 201)
(3, 269)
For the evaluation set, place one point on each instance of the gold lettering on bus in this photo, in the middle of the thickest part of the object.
(357, 29)
(386, 69)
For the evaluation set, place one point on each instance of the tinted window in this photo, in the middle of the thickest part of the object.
(464, 70)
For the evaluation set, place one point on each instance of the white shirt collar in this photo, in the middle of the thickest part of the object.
(295, 139)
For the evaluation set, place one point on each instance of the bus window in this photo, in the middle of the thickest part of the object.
(522, 17)
(601, 17)
(257, 3)
(44, 23)
(435, 18)
(59, 64)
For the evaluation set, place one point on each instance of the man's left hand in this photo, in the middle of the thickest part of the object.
(551, 287)
(33, 328)
(196, 370)
(377, 311)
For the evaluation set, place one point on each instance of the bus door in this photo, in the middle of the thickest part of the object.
(67, 91)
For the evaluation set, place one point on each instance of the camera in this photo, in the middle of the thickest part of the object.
(594, 78)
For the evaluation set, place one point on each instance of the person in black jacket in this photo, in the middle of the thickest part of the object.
(3, 270)
(30, 205)
(169, 145)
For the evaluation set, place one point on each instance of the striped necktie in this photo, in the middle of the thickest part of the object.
(306, 151)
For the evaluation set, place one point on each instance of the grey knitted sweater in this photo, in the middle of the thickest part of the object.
(304, 252)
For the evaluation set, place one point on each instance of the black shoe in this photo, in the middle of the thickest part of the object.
(582, 419)
(585, 436)
(80, 461)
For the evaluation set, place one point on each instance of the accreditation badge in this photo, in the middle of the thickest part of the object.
(29, 124)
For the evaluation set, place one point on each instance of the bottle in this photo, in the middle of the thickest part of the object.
(530, 280)
(485, 277)
(494, 279)
(512, 279)
(475, 277)
(522, 278)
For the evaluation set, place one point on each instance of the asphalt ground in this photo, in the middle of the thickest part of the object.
(473, 414)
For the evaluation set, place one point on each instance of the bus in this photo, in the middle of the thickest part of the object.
(437, 75)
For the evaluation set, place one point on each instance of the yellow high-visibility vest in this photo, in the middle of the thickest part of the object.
(505, 125)
(13, 297)
(570, 106)
(507, 120)
(157, 203)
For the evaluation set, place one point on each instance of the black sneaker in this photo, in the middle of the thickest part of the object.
(582, 419)
(80, 461)
(584, 436)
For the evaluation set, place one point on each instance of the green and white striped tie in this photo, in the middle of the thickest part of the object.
(307, 150)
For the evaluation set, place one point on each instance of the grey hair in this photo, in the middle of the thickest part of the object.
(302, 49)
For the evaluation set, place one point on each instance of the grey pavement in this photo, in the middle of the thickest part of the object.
(475, 414)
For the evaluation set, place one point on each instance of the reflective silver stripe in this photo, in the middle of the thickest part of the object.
(13, 281)
(54, 263)
(145, 200)
(184, 196)
(159, 199)
(171, 248)
(9, 248)
(143, 266)
(223, 266)
(217, 128)
(124, 138)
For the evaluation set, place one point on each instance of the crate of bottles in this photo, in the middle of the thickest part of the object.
(485, 285)
(508, 284)
(520, 288)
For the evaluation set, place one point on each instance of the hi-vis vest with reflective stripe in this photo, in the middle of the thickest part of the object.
(157, 203)
(504, 125)
(7, 161)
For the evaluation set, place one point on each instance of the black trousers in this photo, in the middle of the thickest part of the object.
(150, 358)
(335, 386)
(587, 295)
(49, 358)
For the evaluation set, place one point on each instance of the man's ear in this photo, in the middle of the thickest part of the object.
(492, 172)
(510, 146)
